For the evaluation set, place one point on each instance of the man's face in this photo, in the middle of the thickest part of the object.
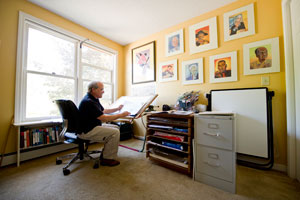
(97, 93)
(262, 54)
(222, 66)
(200, 36)
(175, 41)
(193, 70)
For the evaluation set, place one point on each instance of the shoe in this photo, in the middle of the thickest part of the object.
(109, 162)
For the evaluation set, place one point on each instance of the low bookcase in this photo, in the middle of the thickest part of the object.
(37, 139)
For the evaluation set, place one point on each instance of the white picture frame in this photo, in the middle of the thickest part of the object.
(168, 71)
(192, 71)
(227, 60)
(174, 43)
(207, 31)
(267, 63)
(245, 23)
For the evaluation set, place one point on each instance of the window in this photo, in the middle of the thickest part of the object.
(51, 65)
(97, 64)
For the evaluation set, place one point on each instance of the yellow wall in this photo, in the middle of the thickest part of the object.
(268, 24)
(8, 48)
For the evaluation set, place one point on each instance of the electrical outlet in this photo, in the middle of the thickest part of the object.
(265, 80)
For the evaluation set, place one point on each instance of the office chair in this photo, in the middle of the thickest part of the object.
(70, 115)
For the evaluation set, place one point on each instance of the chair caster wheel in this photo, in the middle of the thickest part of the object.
(96, 165)
(58, 162)
(66, 172)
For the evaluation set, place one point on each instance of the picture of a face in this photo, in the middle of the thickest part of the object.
(174, 43)
(260, 57)
(167, 71)
(202, 36)
(192, 72)
(222, 67)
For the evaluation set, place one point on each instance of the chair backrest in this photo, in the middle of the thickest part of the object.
(70, 112)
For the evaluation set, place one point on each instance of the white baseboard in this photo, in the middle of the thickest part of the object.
(12, 158)
(280, 167)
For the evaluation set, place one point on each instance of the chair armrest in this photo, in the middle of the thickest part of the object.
(61, 136)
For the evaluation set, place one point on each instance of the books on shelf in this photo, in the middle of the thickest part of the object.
(160, 126)
(39, 136)
(169, 136)
(172, 145)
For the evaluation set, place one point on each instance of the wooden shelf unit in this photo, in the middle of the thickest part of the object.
(179, 158)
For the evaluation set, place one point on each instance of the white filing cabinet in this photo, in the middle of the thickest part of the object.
(214, 157)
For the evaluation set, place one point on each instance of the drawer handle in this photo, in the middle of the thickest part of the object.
(212, 164)
(212, 134)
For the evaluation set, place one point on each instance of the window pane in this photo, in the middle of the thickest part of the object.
(50, 54)
(42, 91)
(107, 91)
(97, 57)
(93, 73)
(107, 96)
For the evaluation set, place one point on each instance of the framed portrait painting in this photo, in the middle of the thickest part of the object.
(143, 63)
(174, 43)
(223, 67)
(168, 71)
(239, 23)
(262, 57)
(192, 71)
(203, 36)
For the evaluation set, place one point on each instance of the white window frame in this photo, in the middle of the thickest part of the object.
(21, 73)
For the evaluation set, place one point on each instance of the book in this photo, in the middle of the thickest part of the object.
(169, 136)
(175, 146)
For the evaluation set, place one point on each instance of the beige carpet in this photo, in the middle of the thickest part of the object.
(135, 178)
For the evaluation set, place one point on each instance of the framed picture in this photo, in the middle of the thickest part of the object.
(239, 23)
(262, 57)
(203, 36)
(223, 67)
(168, 71)
(174, 43)
(143, 63)
(192, 71)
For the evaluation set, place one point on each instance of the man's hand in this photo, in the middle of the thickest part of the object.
(124, 114)
(120, 107)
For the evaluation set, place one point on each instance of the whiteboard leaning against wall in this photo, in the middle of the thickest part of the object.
(250, 106)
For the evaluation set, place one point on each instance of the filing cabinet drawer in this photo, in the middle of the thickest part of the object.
(215, 132)
(215, 162)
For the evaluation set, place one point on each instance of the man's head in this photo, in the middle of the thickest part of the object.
(238, 20)
(261, 53)
(222, 66)
(175, 41)
(193, 69)
(96, 88)
(200, 35)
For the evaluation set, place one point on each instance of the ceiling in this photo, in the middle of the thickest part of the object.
(126, 21)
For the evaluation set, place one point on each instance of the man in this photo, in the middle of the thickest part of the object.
(238, 25)
(200, 38)
(262, 62)
(222, 72)
(168, 73)
(193, 72)
(92, 115)
(174, 44)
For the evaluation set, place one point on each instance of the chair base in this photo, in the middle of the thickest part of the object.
(78, 156)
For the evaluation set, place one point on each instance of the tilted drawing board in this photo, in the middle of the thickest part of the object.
(251, 108)
(136, 105)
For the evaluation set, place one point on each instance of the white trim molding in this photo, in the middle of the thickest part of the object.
(290, 89)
